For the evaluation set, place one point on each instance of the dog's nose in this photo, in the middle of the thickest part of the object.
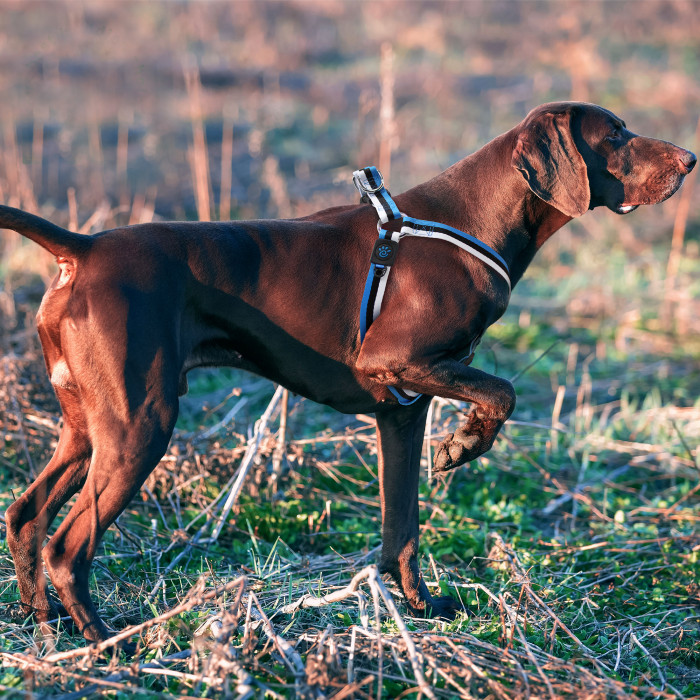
(687, 160)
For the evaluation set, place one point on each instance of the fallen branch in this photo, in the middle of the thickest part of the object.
(309, 600)
(371, 573)
(194, 598)
(246, 463)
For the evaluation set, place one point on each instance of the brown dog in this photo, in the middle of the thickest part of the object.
(134, 309)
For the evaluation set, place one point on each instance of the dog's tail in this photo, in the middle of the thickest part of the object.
(59, 241)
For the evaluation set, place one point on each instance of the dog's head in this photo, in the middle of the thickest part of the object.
(576, 156)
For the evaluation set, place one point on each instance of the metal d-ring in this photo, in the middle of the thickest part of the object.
(376, 189)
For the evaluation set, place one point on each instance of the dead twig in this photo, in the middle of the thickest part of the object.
(195, 597)
(246, 463)
(523, 579)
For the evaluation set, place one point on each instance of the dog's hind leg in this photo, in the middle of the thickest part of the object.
(120, 463)
(30, 516)
(400, 432)
(130, 404)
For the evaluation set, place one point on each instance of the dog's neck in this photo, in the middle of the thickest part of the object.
(486, 197)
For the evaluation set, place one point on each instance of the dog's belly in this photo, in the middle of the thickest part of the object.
(336, 387)
(251, 342)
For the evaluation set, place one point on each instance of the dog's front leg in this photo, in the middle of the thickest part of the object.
(492, 398)
(400, 432)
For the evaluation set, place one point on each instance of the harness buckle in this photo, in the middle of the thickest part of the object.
(371, 190)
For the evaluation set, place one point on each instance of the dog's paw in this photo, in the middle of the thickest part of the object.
(128, 648)
(21, 612)
(442, 607)
(456, 449)
(15, 613)
(472, 440)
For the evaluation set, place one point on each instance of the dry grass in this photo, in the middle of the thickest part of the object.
(574, 545)
(535, 626)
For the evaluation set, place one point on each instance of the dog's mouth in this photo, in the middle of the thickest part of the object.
(656, 190)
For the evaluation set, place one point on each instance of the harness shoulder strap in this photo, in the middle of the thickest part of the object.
(370, 184)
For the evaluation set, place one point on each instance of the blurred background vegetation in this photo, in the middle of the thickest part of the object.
(124, 112)
(119, 112)
(95, 96)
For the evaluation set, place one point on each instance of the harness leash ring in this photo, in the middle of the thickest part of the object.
(370, 184)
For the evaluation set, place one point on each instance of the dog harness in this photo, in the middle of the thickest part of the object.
(370, 184)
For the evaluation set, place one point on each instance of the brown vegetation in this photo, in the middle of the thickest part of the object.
(118, 112)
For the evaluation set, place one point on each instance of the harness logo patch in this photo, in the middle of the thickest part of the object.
(384, 252)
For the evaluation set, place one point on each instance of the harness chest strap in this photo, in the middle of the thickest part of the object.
(370, 184)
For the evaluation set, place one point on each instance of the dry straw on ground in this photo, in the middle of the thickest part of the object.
(580, 573)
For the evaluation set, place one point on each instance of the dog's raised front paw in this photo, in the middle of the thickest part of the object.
(456, 449)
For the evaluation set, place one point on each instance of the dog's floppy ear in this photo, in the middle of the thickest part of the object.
(548, 159)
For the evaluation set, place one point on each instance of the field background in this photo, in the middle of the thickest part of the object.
(574, 544)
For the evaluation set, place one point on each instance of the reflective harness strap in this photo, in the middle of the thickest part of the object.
(370, 185)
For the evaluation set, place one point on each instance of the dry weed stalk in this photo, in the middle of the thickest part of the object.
(198, 154)
(20, 188)
(674, 258)
(96, 162)
(387, 120)
(11, 161)
(226, 164)
(278, 456)
(125, 120)
(40, 117)
(72, 210)
(278, 189)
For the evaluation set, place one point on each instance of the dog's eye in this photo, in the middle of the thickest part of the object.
(615, 134)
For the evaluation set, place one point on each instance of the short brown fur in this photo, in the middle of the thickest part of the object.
(134, 309)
